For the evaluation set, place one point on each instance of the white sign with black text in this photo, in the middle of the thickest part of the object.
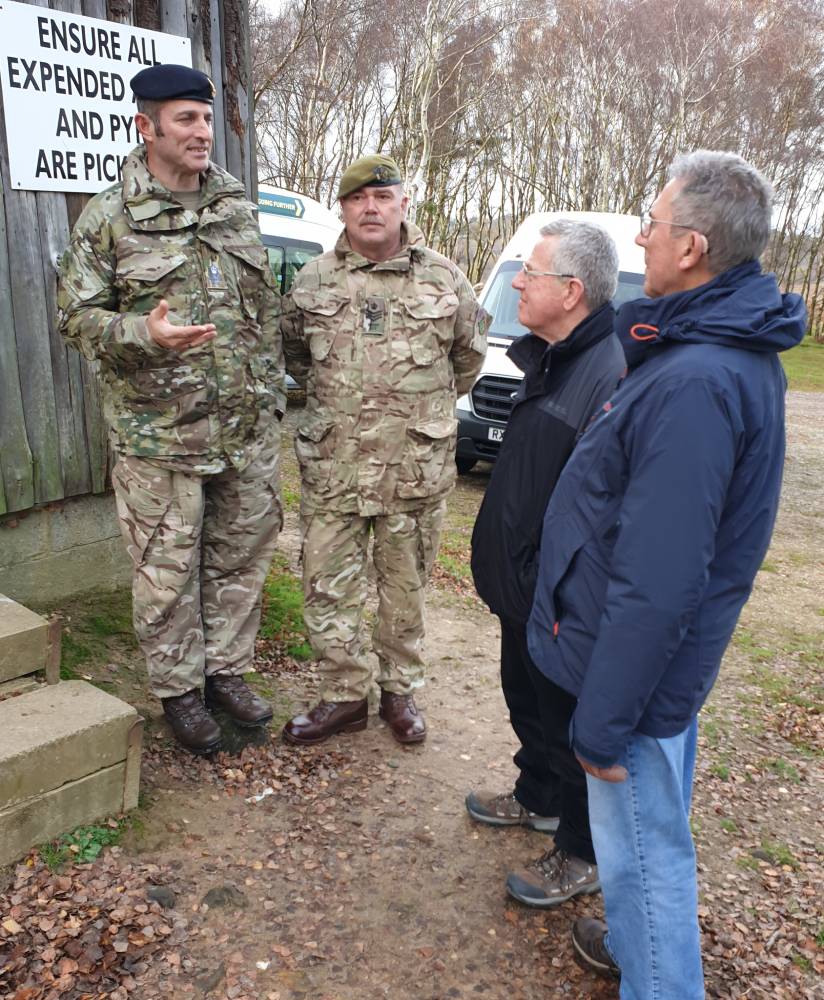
(68, 106)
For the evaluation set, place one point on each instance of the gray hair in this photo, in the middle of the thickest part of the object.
(727, 200)
(151, 109)
(588, 252)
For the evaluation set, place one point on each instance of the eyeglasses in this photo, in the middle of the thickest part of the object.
(530, 273)
(647, 222)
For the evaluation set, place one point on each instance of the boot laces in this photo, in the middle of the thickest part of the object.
(189, 709)
(503, 802)
(552, 863)
(236, 687)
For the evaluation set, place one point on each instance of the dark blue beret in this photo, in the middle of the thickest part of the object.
(169, 82)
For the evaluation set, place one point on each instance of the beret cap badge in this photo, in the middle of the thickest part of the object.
(375, 170)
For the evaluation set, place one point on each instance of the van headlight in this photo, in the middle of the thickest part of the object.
(463, 404)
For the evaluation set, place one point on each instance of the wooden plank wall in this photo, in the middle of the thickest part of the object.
(52, 437)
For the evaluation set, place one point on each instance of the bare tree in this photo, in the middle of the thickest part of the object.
(495, 111)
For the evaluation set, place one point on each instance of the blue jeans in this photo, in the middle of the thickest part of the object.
(646, 863)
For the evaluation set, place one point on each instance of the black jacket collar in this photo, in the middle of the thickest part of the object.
(532, 354)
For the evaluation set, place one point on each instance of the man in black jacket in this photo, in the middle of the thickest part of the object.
(572, 362)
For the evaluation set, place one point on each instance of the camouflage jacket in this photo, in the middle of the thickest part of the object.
(135, 244)
(385, 349)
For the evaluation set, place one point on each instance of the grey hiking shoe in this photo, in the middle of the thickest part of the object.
(554, 878)
(506, 810)
(590, 949)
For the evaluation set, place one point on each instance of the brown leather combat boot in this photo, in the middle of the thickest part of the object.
(401, 714)
(326, 719)
(231, 694)
(193, 727)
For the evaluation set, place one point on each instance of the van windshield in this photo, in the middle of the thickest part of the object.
(287, 257)
(501, 300)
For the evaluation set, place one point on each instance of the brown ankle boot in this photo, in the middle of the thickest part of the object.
(326, 719)
(402, 716)
(193, 727)
(234, 696)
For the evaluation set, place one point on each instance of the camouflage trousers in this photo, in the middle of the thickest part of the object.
(201, 547)
(334, 587)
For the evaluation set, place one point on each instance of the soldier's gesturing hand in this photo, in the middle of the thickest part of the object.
(175, 338)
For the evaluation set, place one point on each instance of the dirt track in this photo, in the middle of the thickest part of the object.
(361, 876)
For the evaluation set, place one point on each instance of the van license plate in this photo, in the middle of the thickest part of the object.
(496, 434)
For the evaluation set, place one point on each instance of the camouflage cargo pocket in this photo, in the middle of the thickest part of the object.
(259, 381)
(143, 496)
(246, 413)
(166, 397)
(428, 322)
(314, 447)
(428, 466)
(146, 276)
(322, 319)
(429, 525)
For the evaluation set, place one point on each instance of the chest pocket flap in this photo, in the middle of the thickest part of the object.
(427, 322)
(319, 303)
(432, 307)
(149, 267)
(252, 254)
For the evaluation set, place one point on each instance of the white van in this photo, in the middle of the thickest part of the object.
(483, 412)
(294, 228)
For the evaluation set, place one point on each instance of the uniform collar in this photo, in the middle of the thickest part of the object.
(412, 246)
(144, 197)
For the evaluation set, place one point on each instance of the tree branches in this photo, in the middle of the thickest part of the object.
(495, 110)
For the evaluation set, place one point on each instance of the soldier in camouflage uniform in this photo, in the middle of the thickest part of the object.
(386, 332)
(166, 286)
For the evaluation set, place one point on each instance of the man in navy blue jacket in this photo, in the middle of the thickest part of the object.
(650, 546)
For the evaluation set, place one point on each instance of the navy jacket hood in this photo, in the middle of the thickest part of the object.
(741, 308)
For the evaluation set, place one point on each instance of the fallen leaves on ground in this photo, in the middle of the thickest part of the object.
(90, 931)
(291, 773)
(755, 807)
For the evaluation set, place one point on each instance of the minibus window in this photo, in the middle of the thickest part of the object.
(276, 259)
(287, 257)
(296, 257)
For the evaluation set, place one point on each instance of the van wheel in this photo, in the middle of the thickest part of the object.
(465, 465)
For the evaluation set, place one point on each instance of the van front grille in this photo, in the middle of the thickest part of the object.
(488, 449)
(492, 397)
